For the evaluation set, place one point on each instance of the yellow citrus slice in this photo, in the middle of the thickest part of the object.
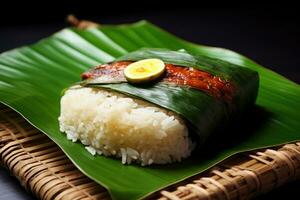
(144, 70)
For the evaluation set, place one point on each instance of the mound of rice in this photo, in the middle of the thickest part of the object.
(113, 124)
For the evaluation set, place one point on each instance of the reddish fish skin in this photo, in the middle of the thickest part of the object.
(174, 74)
(113, 69)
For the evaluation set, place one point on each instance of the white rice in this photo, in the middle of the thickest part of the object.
(113, 124)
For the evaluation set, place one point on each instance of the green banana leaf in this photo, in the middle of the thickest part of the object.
(32, 78)
(204, 112)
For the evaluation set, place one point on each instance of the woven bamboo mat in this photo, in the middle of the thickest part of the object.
(43, 169)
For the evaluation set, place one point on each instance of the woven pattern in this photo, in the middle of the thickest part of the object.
(244, 176)
(43, 169)
(39, 164)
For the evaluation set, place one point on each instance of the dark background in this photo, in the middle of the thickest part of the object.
(268, 34)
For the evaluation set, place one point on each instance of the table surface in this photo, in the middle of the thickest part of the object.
(278, 50)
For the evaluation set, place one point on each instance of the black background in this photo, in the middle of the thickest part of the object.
(268, 34)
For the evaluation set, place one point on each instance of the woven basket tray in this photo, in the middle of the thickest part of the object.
(43, 169)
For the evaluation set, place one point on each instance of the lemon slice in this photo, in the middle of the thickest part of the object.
(144, 70)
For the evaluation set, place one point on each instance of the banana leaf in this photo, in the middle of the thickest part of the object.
(32, 78)
(204, 112)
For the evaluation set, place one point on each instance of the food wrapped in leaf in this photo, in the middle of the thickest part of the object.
(147, 105)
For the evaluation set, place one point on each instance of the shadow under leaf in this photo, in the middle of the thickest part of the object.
(242, 128)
